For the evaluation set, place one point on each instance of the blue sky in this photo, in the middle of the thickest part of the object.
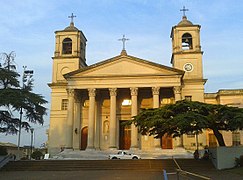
(27, 27)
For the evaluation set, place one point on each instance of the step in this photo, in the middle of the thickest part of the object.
(77, 165)
(72, 165)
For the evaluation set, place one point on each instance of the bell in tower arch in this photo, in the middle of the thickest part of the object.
(186, 42)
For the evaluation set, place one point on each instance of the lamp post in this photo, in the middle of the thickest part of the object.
(27, 75)
(31, 141)
(194, 124)
(197, 139)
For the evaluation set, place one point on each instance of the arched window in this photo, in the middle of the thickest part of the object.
(67, 46)
(186, 42)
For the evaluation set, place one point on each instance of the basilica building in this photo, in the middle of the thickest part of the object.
(89, 103)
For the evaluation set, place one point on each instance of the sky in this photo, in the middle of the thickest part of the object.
(27, 27)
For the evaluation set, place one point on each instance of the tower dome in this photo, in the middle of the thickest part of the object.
(71, 27)
(184, 22)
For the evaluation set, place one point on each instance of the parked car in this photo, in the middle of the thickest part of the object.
(124, 155)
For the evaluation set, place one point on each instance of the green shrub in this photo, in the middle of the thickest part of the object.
(37, 155)
(3, 151)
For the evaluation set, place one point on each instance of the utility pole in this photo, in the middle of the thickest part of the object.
(27, 75)
(31, 141)
(197, 144)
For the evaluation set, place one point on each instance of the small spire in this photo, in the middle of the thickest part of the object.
(184, 12)
(123, 52)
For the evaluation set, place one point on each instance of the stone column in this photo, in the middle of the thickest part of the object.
(70, 115)
(155, 91)
(91, 122)
(112, 129)
(98, 122)
(177, 93)
(134, 111)
(76, 124)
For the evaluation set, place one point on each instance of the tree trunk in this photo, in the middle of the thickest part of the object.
(219, 137)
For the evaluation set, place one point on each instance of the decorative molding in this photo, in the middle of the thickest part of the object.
(92, 92)
(71, 92)
(155, 90)
(77, 97)
(113, 91)
(134, 91)
(177, 89)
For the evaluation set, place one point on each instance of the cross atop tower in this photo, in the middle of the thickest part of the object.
(184, 11)
(123, 39)
(71, 17)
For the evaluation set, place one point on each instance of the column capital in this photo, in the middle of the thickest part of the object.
(71, 92)
(155, 90)
(77, 98)
(177, 89)
(134, 91)
(92, 92)
(113, 91)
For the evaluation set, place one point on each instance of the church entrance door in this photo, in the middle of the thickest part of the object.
(166, 142)
(124, 136)
(84, 138)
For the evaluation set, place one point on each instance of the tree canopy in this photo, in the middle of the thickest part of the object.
(16, 99)
(189, 117)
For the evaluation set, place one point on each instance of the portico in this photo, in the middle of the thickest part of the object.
(100, 106)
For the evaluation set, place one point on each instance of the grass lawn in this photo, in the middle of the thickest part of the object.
(238, 171)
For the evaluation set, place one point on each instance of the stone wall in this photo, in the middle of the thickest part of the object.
(224, 157)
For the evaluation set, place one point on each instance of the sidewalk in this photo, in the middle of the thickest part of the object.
(102, 155)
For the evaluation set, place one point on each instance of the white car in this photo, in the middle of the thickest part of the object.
(123, 155)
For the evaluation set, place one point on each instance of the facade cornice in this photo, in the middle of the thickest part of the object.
(128, 76)
(58, 84)
(224, 92)
(230, 92)
(194, 80)
(187, 52)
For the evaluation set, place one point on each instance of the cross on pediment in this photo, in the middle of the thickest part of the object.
(123, 39)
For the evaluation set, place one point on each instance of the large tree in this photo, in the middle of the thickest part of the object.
(189, 117)
(18, 99)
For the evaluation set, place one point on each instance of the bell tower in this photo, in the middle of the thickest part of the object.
(69, 52)
(187, 56)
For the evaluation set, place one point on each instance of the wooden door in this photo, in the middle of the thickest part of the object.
(124, 137)
(84, 138)
(166, 142)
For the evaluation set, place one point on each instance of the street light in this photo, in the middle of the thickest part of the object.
(26, 77)
(31, 141)
(194, 124)
(197, 139)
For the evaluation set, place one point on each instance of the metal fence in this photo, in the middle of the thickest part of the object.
(183, 175)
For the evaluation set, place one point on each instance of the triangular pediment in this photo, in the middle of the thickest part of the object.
(125, 66)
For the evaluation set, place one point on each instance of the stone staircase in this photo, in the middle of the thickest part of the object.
(79, 165)
(70, 160)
